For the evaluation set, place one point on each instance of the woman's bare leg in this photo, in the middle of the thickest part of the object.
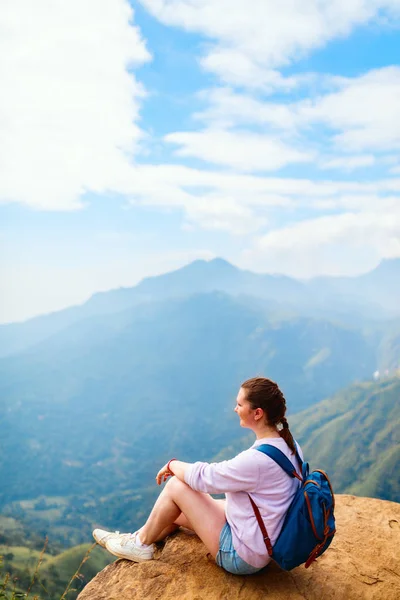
(182, 521)
(165, 532)
(205, 515)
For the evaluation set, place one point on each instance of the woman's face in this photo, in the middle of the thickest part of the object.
(243, 410)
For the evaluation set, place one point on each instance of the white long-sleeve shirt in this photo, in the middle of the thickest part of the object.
(250, 472)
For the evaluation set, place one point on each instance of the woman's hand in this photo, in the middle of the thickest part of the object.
(163, 474)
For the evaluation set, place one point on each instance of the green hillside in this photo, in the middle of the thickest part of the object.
(18, 565)
(355, 436)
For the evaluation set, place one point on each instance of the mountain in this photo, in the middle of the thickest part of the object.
(105, 400)
(381, 287)
(355, 437)
(371, 296)
(98, 396)
(198, 277)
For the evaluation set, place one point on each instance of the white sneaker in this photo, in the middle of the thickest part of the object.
(101, 536)
(125, 546)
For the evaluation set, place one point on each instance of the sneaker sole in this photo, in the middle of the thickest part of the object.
(98, 541)
(136, 559)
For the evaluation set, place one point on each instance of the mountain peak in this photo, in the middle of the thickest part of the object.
(221, 262)
(220, 266)
(213, 263)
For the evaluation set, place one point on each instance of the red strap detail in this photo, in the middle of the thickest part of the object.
(311, 558)
(318, 549)
(169, 466)
(267, 541)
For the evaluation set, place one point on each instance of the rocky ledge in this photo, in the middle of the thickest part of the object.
(363, 562)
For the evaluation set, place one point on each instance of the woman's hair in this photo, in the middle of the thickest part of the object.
(264, 393)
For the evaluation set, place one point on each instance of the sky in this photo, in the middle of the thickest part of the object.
(136, 137)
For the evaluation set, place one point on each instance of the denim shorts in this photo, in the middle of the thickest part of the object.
(228, 558)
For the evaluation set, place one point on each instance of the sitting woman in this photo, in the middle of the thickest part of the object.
(229, 527)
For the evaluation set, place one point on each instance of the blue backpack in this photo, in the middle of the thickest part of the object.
(309, 525)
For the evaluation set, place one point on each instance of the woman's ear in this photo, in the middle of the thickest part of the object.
(258, 414)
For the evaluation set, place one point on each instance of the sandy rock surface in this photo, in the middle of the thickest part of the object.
(363, 562)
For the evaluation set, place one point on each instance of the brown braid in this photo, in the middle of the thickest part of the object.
(287, 436)
(264, 393)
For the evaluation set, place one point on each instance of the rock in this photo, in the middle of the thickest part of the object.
(363, 562)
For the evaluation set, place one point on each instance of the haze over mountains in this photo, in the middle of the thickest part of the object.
(373, 295)
(96, 397)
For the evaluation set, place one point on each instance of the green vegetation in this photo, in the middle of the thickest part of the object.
(70, 527)
(355, 437)
(24, 569)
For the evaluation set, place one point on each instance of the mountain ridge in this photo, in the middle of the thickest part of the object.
(323, 295)
(97, 378)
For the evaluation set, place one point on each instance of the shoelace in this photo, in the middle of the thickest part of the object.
(127, 537)
(108, 536)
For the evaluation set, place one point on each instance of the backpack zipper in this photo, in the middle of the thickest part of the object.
(311, 481)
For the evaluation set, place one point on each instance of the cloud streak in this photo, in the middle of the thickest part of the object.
(249, 40)
(243, 151)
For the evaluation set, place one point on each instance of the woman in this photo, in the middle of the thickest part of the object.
(229, 527)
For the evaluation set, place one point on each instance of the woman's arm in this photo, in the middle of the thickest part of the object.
(239, 474)
(173, 467)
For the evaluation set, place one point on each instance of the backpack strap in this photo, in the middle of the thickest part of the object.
(267, 541)
(281, 459)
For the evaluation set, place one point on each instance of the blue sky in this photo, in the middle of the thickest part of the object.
(137, 137)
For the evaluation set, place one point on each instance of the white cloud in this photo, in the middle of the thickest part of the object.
(243, 151)
(224, 213)
(232, 66)
(324, 245)
(353, 227)
(172, 185)
(360, 202)
(227, 108)
(365, 112)
(265, 34)
(69, 113)
(348, 163)
(244, 204)
(361, 114)
(68, 106)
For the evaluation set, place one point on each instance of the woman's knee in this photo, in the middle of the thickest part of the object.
(175, 485)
